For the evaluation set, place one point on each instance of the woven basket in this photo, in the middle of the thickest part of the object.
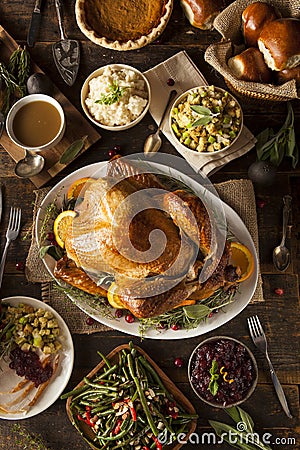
(229, 25)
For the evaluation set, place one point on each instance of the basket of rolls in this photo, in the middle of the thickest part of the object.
(259, 54)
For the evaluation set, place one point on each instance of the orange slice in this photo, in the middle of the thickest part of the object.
(242, 257)
(75, 189)
(61, 226)
(113, 299)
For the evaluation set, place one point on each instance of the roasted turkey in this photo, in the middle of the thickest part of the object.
(151, 241)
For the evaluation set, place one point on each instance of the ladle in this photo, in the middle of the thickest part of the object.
(281, 254)
(153, 141)
(29, 166)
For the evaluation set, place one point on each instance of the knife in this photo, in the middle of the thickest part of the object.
(34, 24)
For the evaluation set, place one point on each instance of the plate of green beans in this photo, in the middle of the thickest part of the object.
(128, 402)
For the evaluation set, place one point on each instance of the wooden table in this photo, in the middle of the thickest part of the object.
(280, 314)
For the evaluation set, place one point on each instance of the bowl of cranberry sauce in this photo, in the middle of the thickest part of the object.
(222, 371)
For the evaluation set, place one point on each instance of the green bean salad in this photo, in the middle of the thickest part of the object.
(127, 406)
(206, 119)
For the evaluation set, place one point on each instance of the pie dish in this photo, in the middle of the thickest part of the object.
(122, 24)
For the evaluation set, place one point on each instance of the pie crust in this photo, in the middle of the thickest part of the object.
(122, 24)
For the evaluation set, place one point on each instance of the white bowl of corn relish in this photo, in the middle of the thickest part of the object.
(206, 119)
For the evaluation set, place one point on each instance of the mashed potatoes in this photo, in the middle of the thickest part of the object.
(117, 96)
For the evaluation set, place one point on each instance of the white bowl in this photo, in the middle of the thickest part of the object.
(181, 98)
(25, 101)
(85, 92)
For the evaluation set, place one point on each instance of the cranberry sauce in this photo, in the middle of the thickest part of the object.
(29, 365)
(222, 371)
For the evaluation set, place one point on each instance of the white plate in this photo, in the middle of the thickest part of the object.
(235, 224)
(63, 371)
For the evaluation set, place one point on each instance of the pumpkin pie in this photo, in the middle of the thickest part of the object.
(122, 24)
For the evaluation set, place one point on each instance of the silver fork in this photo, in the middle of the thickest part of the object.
(259, 339)
(12, 233)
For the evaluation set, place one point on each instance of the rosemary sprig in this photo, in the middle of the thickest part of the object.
(93, 301)
(184, 317)
(19, 67)
(116, 92)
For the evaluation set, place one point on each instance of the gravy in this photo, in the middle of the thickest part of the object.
(36, 124)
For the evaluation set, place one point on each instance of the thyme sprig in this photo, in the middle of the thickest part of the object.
(26, 440)
(116, 92)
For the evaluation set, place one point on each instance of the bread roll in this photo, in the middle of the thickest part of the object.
(250, 66)
(201, 13)
(254, 18)
(279, 42)
(288, 74)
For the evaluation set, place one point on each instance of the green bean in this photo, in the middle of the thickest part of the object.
(108, 372)
(99, 387)
(107, 362)
(156, 377)
(142, 396)
(132, 438)
(74, 392)
(127, 425)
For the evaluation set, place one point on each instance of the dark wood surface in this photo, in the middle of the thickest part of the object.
(280, 314)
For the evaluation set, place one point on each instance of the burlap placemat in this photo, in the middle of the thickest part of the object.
(239, 194)
(228, 24)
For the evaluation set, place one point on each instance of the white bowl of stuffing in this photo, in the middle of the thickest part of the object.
(206, 120)
(116, 97)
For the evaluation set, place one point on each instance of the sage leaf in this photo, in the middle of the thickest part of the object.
(43, 251)
(246, 419)
(201, 110)
(202, 121)
(213, 387)
(197, 311)
(234, 413)
(224, 431)
(72, 151)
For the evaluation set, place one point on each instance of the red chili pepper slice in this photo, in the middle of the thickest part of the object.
(117, 428)
(157, 443)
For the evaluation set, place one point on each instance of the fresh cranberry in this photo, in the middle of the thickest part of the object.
(279, 291)
(111, 153)
(210, 315)
(117, 148)
(178, 362)
(89, 321)
(161, 326)
(261, 203)
(175, 327)
(119, 313)
(129, 318)
(170, 82)
(50, 236)
(20, 266)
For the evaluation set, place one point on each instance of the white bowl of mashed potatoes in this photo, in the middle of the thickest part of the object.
(206, 120)
(116, 97)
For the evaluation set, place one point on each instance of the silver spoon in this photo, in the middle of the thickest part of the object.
(281, 254)
(153, 141)
(31, 165)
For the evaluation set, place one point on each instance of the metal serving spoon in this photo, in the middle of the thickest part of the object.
(281, 254)
(31, 165)
(153, 141)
